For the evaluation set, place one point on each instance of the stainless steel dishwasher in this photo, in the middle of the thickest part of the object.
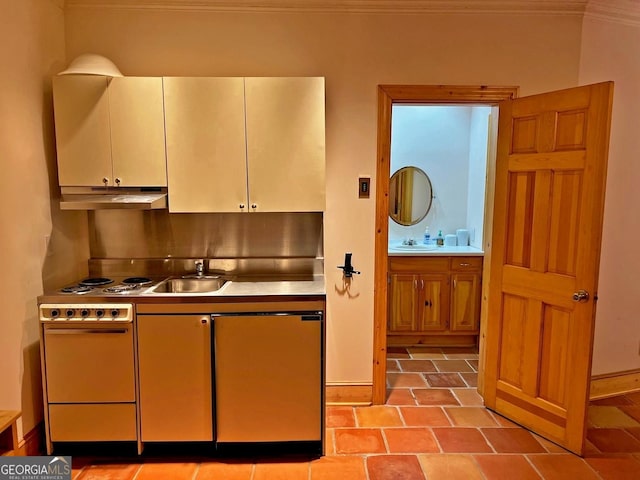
(269, 377)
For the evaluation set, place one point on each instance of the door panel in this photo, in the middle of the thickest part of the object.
(402, 312)
(550, 179)
(433, 302)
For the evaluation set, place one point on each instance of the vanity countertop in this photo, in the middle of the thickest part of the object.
(422, 251)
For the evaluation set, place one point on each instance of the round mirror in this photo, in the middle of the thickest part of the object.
(410, 196)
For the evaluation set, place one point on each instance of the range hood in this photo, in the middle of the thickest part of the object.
(83, 198)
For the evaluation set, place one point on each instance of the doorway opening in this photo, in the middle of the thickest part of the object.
(395, 97)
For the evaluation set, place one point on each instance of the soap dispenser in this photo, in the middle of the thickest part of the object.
(427, 236)
(440, 239)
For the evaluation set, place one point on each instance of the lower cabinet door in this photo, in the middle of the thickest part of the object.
(465, 302)
(268, 378)
(174, 354)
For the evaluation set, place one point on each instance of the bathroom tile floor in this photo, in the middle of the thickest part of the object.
(433, 427)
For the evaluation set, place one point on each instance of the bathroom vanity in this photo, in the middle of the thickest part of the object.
(434, 297)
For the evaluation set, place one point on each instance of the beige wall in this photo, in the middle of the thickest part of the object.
(32, 48)
(610, 51)
(355, 52)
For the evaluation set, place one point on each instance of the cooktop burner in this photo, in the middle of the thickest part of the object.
(76, 289)
(95, 282)
(121, 288)
(137, 281)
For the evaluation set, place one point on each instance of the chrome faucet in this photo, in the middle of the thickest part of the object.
(199, 267)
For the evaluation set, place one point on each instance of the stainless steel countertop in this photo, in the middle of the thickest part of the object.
(237, 289)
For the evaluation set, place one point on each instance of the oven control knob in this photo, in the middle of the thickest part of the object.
(84, 312)
(99, 313)
(70, 312)
(115, 313)
(55, 313)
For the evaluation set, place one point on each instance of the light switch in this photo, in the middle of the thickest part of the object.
(364, 184)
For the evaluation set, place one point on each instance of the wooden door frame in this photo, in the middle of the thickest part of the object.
(388, 95)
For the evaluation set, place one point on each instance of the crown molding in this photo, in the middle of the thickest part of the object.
(538, 7)
(626, 12)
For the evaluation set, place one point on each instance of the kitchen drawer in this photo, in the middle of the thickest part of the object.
(466, 264)
(92, 422)
(418, 264)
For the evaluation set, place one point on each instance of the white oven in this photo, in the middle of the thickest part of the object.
(89, 376)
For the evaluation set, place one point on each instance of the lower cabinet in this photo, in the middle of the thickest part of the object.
(434, 300)
(174, 353)
(238, 375)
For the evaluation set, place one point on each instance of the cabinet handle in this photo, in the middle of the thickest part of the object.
(415, 284)
(427, 303)
(422, 284)
(118, 181)
(254, 206)
(105, 180)
(465, 264)
(455, 283)
(242, 205)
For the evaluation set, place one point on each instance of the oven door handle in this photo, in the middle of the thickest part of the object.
(82, 331)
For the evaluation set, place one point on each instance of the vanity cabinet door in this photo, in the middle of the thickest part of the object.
(465, 302)
(403, 304)
(433, 302)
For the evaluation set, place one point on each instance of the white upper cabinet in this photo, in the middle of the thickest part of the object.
(206, 145)
(109, 131)
(285, 144)
(245, 145)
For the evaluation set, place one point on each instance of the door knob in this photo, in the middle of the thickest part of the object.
(581, 296)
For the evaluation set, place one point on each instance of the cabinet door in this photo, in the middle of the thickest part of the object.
(206, 148)
(175, 377)
(403, 304)
(81, 111)
(137, 132)
(465, 302)
(268, 378)
(286, 144)
(433, 302)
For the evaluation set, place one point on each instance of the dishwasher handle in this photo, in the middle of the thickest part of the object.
(306, 316)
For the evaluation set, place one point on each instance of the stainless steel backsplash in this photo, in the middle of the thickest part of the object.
(137, 234)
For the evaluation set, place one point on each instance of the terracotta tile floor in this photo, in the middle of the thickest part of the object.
(433, 427)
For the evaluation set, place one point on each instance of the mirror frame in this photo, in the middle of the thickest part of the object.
(417, 170)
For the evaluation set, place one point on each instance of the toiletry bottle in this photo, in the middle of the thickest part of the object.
(440, 239)
(427, 236)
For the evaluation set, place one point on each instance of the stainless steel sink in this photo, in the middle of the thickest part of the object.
(189, 285)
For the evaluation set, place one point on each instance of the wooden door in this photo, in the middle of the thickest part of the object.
(137, 132)
(285, 143)
(465, 302)
(550, 183)
(206, 148)
(83, 137)
(433, 301)
(404, 300)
